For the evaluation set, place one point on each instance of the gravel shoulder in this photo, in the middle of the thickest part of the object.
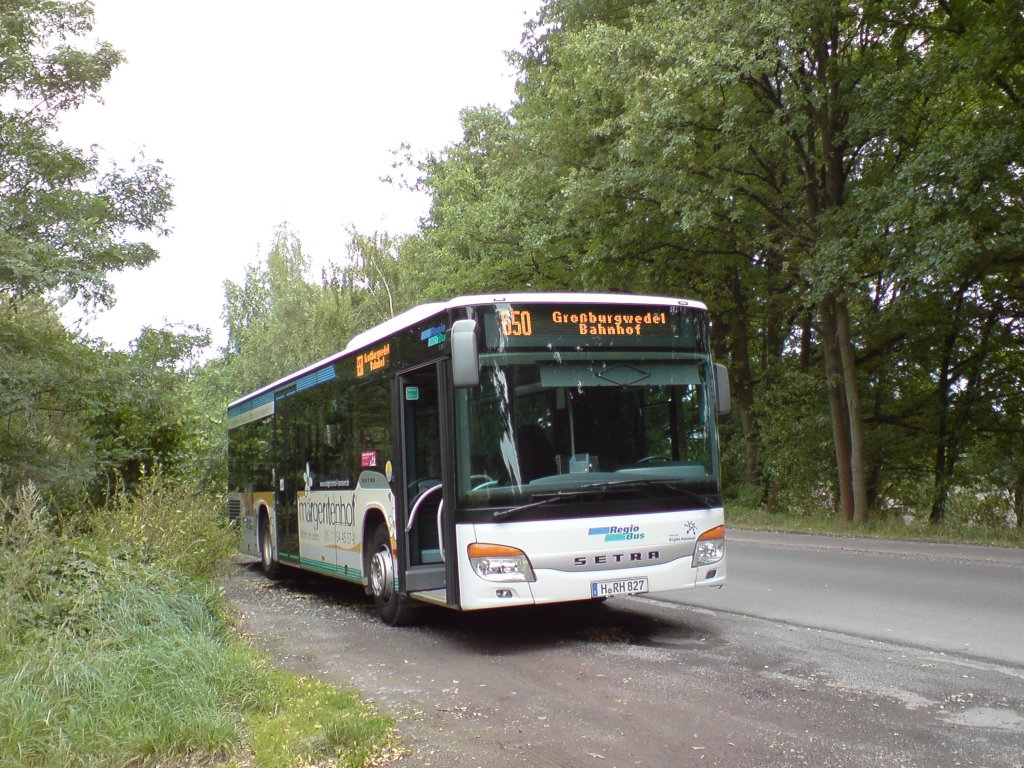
(637, 682)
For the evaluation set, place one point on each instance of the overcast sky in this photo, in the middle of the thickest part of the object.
(266, 113)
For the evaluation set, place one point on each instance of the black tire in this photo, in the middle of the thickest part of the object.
(393, 608)
(271, 568)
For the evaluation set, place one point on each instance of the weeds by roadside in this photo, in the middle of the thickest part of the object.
(954, 530)
(171, 522)
(114, 649)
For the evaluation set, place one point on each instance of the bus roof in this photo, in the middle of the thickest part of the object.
(423, 311)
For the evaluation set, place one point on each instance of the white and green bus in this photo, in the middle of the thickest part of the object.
(494, 451)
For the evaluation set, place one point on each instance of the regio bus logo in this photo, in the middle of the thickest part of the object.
(619, 533)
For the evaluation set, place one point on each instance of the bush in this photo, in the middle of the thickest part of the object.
(796, 447)
(26, 541)
(103, 659)
(168, 521)
(980, 507)
(111, 655)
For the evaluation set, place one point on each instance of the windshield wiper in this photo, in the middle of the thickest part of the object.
(610, 486)
(586, 490)
(673, 486)
(559, 496)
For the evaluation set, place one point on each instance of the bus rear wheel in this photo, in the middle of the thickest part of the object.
(393, 608)
(271, 568)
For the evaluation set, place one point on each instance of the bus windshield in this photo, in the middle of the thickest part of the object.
(549, 426)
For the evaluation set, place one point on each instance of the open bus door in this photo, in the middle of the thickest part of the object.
(421, 520)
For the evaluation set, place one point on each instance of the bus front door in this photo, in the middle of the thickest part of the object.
(421, 524)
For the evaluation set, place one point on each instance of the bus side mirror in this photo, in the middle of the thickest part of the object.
(465, 363)
(722, 389)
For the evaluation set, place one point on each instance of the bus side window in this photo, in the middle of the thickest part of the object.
(336, 447)
(371, 427)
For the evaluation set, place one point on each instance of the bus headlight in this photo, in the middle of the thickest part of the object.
(495, 562)
(710, 547)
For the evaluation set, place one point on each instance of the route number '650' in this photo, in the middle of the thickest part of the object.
(516, 322)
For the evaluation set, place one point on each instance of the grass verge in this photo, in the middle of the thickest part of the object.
(916, 529)
(108, 657)
(318, 724)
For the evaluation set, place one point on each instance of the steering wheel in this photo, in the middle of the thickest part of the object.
(655, 459)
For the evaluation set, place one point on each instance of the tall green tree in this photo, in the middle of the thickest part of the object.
(47, 386)
(280, 319)
(146, 414)
(375, 279)
(956, 212)
(76, 416)
(66, 219)
(840, 181)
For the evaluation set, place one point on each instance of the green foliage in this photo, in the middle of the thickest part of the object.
(46, 384)
(64, 222)
(817, 172)
(25, 541)
(485, 234)
(281, 319)
(167, 533)
(168, 521)
(151, 677)
(379, 285)
(73, 413)
(67, 219)
(979, 506)
(278, 320)
(112, 656)
(146, 409)
(795, 449)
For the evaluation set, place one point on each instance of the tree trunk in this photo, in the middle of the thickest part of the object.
(940, 491)
(806, 324)
(1018, 500)
(743, 383)
(955, 416)
(853, 409)
(940, 482)
(875, 473)
(838, 406)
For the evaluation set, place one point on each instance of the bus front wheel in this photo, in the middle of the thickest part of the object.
(395, 609)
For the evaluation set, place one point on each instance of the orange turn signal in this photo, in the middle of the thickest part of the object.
(718, 532)
(493, 550)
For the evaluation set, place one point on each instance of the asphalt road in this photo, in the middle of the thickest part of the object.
(819, 652)
(961, 599)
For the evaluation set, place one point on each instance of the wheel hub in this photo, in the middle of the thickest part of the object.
(382, 573)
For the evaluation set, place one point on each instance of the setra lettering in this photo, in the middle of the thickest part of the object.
(650, 555)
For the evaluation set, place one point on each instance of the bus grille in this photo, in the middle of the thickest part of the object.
(234, 509)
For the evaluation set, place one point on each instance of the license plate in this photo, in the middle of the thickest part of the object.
(618, 587)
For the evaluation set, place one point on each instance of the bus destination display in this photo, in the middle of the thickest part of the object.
(534, 326)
